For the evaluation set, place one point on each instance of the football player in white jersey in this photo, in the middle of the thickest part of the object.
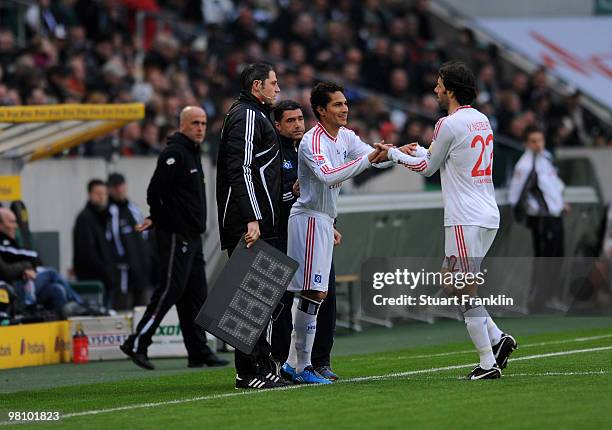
(462, 148)
(328, 154)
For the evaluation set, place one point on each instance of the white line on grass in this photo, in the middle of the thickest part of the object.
(351, 380)
(471, 351)
(293, 387)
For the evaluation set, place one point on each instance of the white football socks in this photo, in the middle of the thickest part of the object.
(495, 334)
(477, 327)
(304, 312)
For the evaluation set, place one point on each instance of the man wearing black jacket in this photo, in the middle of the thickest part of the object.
(249, 192)
(92, 252)
(177, 201)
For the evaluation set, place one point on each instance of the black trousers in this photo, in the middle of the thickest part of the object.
(182, 283)
(258, 361)
(326, 325)
(547, 234)
(548, 241)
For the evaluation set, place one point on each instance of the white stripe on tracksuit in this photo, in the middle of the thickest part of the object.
(248, 158)
(149, 323)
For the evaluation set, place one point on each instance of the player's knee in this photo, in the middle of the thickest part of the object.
(317, 296)
(308, 305)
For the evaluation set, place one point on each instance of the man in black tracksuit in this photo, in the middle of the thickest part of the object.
(177, 200)
(289, 121)
(249, 192)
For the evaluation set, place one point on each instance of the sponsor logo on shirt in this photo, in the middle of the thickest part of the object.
(287, 164)
(319, 160)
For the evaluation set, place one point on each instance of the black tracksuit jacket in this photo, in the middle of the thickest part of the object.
(176, 193)
(249, 179)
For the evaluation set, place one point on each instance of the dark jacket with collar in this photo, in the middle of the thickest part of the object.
(290, 175)
(176, 193)
(249, 179)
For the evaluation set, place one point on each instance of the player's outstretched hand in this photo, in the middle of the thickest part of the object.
(146, 224)
(252, 233)
(380, 152)
(409, 149)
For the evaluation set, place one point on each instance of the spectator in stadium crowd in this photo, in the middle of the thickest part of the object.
(22, 268)
(92, 250)
(536, 194)
(177, 200)
(132, 252)
(249, 193)
(289, 121)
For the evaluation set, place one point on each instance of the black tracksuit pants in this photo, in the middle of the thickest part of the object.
(326, 326)
(258, 361)
(182, 283)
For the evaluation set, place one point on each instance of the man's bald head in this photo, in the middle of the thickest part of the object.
(192, 123)
(8, 223)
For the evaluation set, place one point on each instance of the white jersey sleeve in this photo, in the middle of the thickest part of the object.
(427, 162)
(316, 157)
(358, 148)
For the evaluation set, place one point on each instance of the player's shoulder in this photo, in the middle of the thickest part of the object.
(308, 138)
(439, 125)
(344, 131)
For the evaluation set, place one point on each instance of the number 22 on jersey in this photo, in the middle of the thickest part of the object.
(484, 164)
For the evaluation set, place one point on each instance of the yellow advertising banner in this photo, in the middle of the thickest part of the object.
(43, 113)
(35, 344)
(10, 187)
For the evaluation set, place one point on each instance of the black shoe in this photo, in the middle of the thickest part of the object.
(271, 376)
(277, 374)
(138, 358)
(211, 361)
(503, 349)
(480, 373)
(257, 382)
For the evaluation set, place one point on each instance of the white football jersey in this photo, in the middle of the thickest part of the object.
(324, 162)
(462, 148)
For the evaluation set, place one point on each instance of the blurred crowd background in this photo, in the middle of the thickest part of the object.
(172, 53)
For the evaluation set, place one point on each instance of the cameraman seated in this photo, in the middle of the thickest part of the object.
(19, 266)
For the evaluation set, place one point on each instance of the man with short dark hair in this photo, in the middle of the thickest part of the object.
(328, 154)
(92, 253)
(249, 193)
(177, 200)
(289, 122)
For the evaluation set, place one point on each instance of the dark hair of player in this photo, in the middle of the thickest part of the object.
(458, 78)
(320, 95)
(279, 110)
(254, 72)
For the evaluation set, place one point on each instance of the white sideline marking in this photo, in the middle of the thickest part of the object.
(293, 387)
(471, 351)
(360, 379)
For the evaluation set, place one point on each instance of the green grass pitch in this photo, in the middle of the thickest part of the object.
(560, 377)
